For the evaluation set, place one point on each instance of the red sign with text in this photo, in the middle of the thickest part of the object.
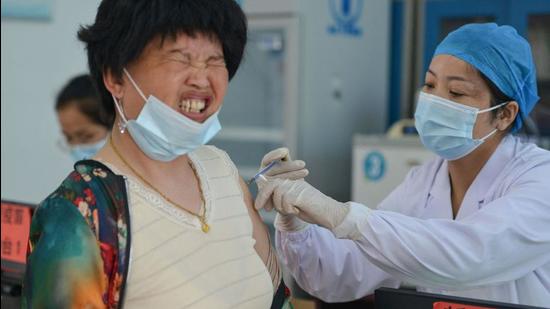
(446, 305)
(16, 222)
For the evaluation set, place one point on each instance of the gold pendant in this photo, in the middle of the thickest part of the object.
(205, 227)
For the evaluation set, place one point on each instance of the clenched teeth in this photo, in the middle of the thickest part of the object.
(192, 105)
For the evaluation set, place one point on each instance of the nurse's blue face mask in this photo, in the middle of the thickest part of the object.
(446, 127)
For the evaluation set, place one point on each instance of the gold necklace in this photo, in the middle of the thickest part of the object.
(202, 217)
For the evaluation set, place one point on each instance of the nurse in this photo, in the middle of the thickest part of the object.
(474, 222)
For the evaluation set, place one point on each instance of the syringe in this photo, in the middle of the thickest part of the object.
(261, 173)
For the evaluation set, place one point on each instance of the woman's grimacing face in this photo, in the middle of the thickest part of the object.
(188, 74)
(454, 79)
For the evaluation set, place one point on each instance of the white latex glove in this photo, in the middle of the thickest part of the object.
(297, 197)
(289, 223)
(285, 169)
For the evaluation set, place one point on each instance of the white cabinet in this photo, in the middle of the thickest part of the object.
(260, 109)
(380, 164)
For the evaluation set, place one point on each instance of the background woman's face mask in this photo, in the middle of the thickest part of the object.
(446, 127)
(164, 134)
(86, 151)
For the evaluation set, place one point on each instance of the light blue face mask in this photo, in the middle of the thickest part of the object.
(446, 127)
(86, 151)
(164, 134)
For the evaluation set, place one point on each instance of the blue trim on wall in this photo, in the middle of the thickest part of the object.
(521, 9)
(509, 12)
(436, 10)
(397, 15)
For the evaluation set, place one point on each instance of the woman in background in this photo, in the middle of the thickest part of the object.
(78, 108)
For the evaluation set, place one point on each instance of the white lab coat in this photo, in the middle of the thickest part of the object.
(497, 248)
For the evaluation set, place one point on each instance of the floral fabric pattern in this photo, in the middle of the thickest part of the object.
(99, 197)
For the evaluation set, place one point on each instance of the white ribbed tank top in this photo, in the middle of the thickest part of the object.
(175, 265)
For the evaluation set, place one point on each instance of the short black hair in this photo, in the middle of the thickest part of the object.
(123, 28)
(81, 92)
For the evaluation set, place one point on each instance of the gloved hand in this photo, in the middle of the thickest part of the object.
(285, 169)
(289, 223)
(297, 197)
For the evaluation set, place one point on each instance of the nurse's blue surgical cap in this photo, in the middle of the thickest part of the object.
(502, 55)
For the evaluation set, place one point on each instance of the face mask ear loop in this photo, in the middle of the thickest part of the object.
(119, 109)
(134, 84)
(483, 139)
(492, 108)
(122, 125)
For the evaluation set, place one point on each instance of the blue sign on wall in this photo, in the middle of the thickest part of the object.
(32, 9)
(374, 166)
(345, 15)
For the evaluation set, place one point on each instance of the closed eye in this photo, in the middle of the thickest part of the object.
(184, 61)
(216, 62)
(181, 57)
(428, 86)
(456, 94)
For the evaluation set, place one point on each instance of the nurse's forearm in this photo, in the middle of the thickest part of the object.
(331, 269)
(491, 247)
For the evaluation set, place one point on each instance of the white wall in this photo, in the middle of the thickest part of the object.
(38, 57)
(359, 66)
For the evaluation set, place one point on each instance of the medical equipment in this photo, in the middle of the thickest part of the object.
(379, 164)
(264, 170)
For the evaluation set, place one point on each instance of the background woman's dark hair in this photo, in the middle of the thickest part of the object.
(123, 28)
(82, 92)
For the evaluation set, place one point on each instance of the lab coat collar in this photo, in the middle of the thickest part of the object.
(441, 186)
(482, 185)
(438, 202)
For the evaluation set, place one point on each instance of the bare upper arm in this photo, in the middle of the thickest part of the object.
(259, 232)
